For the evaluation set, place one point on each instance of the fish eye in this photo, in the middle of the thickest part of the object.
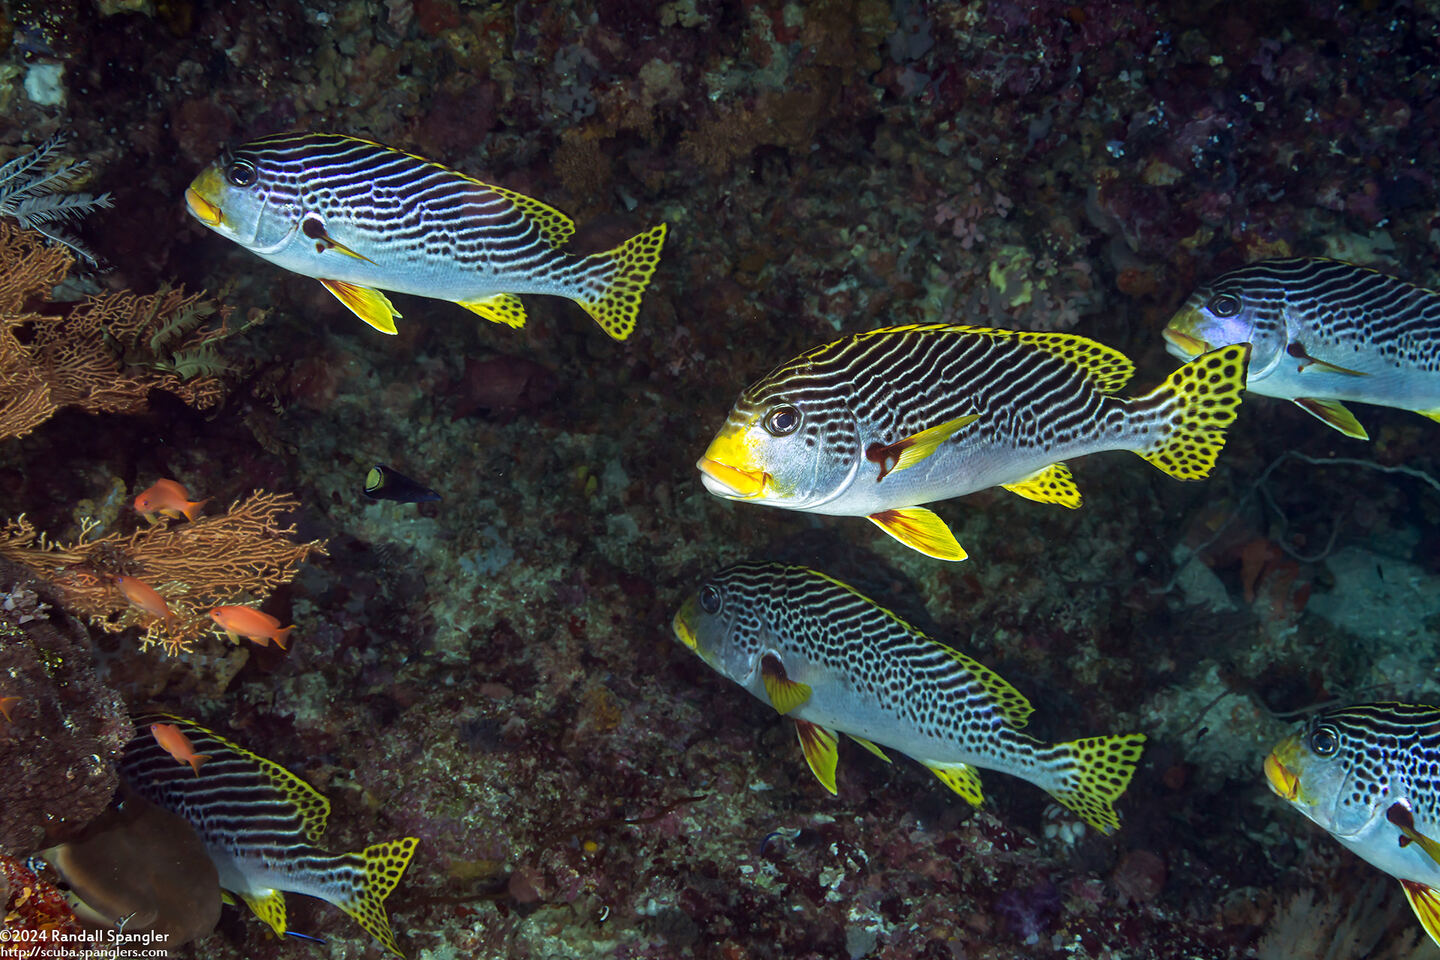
(1224, 305)
(710, 598)
(240, 173)
(1323, 741)
(782, 420)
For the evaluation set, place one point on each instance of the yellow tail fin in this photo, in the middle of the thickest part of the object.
(1100, 770)
(635, 262)
(1198, 401)
(385, 864)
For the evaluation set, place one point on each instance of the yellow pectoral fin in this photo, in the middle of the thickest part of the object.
(1426, 905)
(1333, 413)
(920, 529)
(822, 752)
(921, 445)
(870, 746)
(1054, 484)
(1432, 414)
(269, 907)
(367, 303)
(499, 308)
(785, 694)
(963, 779)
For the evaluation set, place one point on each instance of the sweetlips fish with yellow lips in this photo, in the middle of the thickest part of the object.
(363, 218)
(834, 661)
(1323, 332)
(1370, 775)
(877, 423)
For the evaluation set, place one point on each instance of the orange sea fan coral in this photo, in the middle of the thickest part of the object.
(195, 565)
(104, 354)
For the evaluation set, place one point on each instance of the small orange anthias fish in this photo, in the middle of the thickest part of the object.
(250, 623)
(143, 596)
(170, 499)
(177, 745)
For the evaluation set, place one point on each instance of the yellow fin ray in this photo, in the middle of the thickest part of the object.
(1010, 702)
(1107, 368)
(821, 750)
(963, 779)
(498, 308)
(914, 449)
(1198, 401)
(1432, 414)
(1054, 484)
(1426, 904)
(617, 306)
(1099, 770)
(785, 694)
(1333, 414)
(367, 303)
(920, 529)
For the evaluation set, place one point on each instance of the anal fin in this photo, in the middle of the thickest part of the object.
(1426, 904)
(822, 752)
(367, 303)
(1334, 414)
(1054, 484)
(269, 907)
(920, 529)
(963, 779)
(499, 308)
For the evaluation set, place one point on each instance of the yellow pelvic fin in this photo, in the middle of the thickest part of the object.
(500, 308)
(635, 261)
(270, 908)
(963, 779)
(1426, 904)
(367, 303)
(869, 746)
(1197, 401)
(1054, 484)
(920, 529)
(785, 694)
(1097, 770)
(1432, 414)
(822, 752)
(1334, 414)
(913, 449)
(385, 864)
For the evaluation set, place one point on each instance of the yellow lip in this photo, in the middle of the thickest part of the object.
(681, 624)
(204, 211)
(1285, 784)
(744, 483)
(1191, 346)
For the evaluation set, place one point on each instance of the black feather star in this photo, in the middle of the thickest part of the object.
(30, 193)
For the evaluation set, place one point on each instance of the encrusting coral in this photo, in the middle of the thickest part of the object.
(104, 354)
(243, 553)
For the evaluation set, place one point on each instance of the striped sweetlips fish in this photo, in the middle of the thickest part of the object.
(362, 217)
(260, 824)
(834, 661)
(876, 423)
(1370, 774)
(1323, 332)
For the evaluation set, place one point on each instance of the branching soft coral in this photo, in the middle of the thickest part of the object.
(241, 554)
(106, 353)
